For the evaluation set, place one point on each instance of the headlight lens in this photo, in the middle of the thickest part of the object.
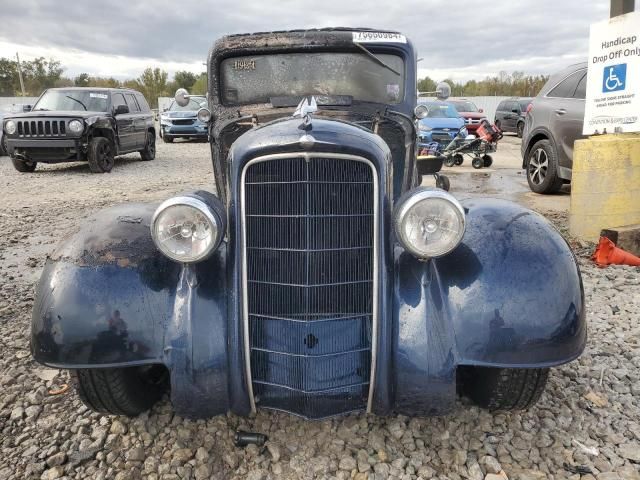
(429, 223)
(186, 229)
(204, 115)
(76, 126)
(10, 127)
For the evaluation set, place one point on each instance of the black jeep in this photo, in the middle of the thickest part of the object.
(77, 124)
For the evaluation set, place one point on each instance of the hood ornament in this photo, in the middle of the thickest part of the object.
(304, 110)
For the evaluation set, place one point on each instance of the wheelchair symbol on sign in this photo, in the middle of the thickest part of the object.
(614, 78)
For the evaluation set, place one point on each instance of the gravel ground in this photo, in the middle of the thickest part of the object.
(586, 426)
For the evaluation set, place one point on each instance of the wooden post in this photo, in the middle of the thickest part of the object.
(620, 7)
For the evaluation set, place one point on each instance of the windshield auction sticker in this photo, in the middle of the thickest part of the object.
(613, 76)
(378, 37)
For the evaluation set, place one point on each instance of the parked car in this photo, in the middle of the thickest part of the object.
(182, 122)
(510, 115)
(553, 124)
(320, 278)
(441, 125)
(81, 124)
(6, 110)
(472, 115)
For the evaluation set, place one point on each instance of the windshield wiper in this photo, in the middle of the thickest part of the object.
(76, 100)
(41, 110)
(376, 59)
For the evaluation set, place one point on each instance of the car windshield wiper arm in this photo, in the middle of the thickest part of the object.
(40, 109)
(76, 100)
(376, 59)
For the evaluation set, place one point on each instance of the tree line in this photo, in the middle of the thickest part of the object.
(515, 84)
(40, 74)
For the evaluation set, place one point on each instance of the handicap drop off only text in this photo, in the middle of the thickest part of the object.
(618, 48)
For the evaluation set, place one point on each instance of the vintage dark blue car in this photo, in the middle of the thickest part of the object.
(319, 278)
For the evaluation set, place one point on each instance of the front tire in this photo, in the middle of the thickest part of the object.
(120, 391)
(149, 152)
(101, 155)
(504, 388)
(542, 168)
(23, 166)
(520, 129)
(4, 150)
(167, 139)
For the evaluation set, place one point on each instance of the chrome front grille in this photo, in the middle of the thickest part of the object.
(309, 278)
(41, 128)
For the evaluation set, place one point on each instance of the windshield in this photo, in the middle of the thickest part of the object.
(195, 104)
(441, 110)
(73, 100)
(256, 79)
(465, 106)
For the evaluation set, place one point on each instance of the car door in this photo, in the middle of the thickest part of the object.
(567, 115)
(124, 124)
(511, 114)
(139, 124)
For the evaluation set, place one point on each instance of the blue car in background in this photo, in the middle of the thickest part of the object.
(441, 125)
(182, 122)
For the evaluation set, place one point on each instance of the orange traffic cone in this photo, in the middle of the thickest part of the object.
(608, 254)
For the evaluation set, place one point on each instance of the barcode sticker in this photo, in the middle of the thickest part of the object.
(378, 37)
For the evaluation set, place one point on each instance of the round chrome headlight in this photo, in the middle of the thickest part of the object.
(204, 115)
(76, 126)
(429, 223)
(10, 127)
(187, 229)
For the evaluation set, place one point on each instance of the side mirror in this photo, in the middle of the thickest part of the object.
(121, 110)
(443, 91)
(481, 110)
(27, 108)
(421, 111)
(182, 97)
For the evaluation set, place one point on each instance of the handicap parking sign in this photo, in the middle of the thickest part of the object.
(614, 78)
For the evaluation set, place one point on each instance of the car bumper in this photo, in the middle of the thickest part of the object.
(46, 150)
(185, 130)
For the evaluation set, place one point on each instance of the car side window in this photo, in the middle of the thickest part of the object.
(117, 99)
(131, 103)
(501, 106)
(567, 87)
(144, 106)
(581, 89)
(511, 106)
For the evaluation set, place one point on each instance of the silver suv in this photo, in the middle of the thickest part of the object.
(553, 123)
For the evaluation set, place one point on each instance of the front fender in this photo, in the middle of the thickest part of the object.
(510, 295)
(108, 298)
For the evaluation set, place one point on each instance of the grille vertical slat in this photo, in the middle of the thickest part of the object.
(309, 258)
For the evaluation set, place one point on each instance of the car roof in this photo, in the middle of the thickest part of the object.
(97, 89)
(557, 77)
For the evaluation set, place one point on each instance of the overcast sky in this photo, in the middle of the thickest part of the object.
(462, 40)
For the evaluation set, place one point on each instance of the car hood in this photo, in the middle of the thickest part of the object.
(56, 114)
(437, 123)
(181, 114)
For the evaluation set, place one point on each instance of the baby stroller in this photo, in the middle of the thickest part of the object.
(478, 147)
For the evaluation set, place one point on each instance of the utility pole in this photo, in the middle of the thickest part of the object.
(620, 7)
(20, 74)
